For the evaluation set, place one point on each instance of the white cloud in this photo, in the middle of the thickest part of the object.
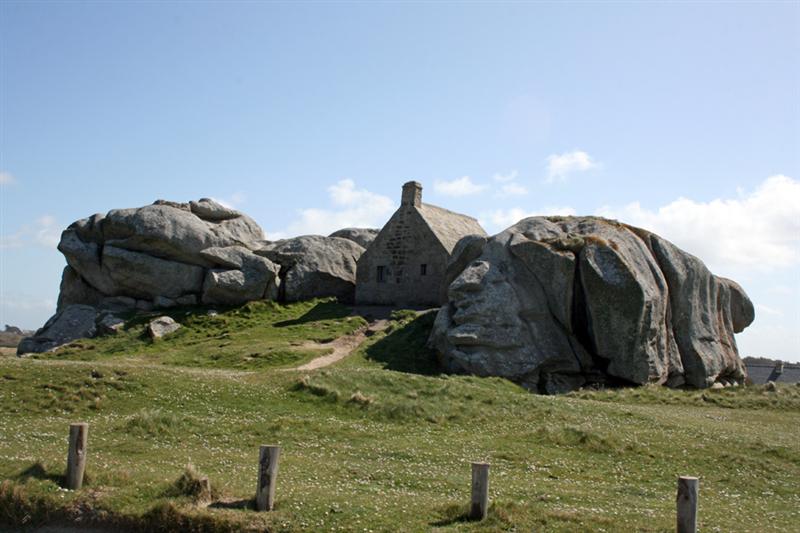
(761, 308)
(559, 166)
(503, 178)
(6, 178)
(233, 201)
(512, 189)
(508, 186)
(759, 231)
(500, 219)
(463, 186)
(357, 208)
(47, 232)
(44, 231)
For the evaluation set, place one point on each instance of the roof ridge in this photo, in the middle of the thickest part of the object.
(449, 211)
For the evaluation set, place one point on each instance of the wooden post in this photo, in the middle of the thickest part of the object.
(267, 477)
(480, 491)
(687, 504)
(76, 457)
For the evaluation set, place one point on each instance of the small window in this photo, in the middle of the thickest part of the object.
(381, 274)
(423, 269)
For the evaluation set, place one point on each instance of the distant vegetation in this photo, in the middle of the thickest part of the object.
(760, 360)
(10, 337)
(379, 441)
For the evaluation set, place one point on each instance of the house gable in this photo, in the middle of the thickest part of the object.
(405, 264)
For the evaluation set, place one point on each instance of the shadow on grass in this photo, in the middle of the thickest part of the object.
(38, 471)
(497, 519)
(453, 514)
(322, 311)
(404, 347)
(248, 503)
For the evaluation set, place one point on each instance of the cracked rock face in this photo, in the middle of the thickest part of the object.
(313, 266)
(557, 303)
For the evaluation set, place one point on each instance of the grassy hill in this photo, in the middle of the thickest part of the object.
(377, 442)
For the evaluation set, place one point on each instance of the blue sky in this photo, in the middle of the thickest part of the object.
(683, 118)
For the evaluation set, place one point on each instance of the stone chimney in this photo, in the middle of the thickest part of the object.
(779, 367)
(412, 194)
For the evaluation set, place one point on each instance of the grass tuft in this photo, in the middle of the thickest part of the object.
(193, 485)
(361, 399)
(153, 422)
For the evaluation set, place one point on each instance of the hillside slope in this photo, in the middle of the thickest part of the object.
(378, 441)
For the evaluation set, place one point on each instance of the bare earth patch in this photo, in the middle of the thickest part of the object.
(342, 347)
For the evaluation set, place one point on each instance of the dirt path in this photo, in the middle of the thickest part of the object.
(342, 347)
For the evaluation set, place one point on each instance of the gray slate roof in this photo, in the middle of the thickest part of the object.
(760, 373)
(448, 226)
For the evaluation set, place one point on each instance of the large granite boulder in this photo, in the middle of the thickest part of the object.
(162, 255)
(181, 254)
(555, 303)
(361, 236)
(314, 266)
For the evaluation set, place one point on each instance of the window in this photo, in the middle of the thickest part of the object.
(423, 269)
(381, 274)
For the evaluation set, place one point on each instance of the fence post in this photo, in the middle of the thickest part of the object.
(686, 502)
(480, 491)
(267, 477)
(76, 456)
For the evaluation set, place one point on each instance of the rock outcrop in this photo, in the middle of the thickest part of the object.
(181, 254)
(361, 236)
(313, 266)
(556, 303)
(162, 255)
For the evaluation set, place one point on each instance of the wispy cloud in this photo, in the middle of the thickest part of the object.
(354, 207)
(512, 189)
(560, 166)
(504, 178)
(507, 185)
(6, 178)
(768, 310)
(43, 231)
(233, 201)
(463, 186)
(759, 231)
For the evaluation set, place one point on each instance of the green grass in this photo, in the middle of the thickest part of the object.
(380, 441)
(401, 346)
(258, 335)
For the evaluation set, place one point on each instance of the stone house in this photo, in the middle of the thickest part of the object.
(405, 264)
